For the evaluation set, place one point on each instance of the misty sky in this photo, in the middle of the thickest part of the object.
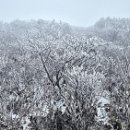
(75, 12)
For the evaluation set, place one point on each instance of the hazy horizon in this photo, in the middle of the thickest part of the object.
(78, 13)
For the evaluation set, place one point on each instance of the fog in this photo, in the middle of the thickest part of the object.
(75, 12)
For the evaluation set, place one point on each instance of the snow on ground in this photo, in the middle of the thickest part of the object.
(101, 113)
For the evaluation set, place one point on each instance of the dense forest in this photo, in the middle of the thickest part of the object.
(55, 76)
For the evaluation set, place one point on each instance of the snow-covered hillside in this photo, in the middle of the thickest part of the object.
(54, 76)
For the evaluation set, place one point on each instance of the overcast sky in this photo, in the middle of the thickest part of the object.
(75, 12)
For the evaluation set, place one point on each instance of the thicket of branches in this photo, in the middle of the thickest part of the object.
(52, 75)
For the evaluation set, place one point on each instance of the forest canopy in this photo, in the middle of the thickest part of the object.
(55, 76)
